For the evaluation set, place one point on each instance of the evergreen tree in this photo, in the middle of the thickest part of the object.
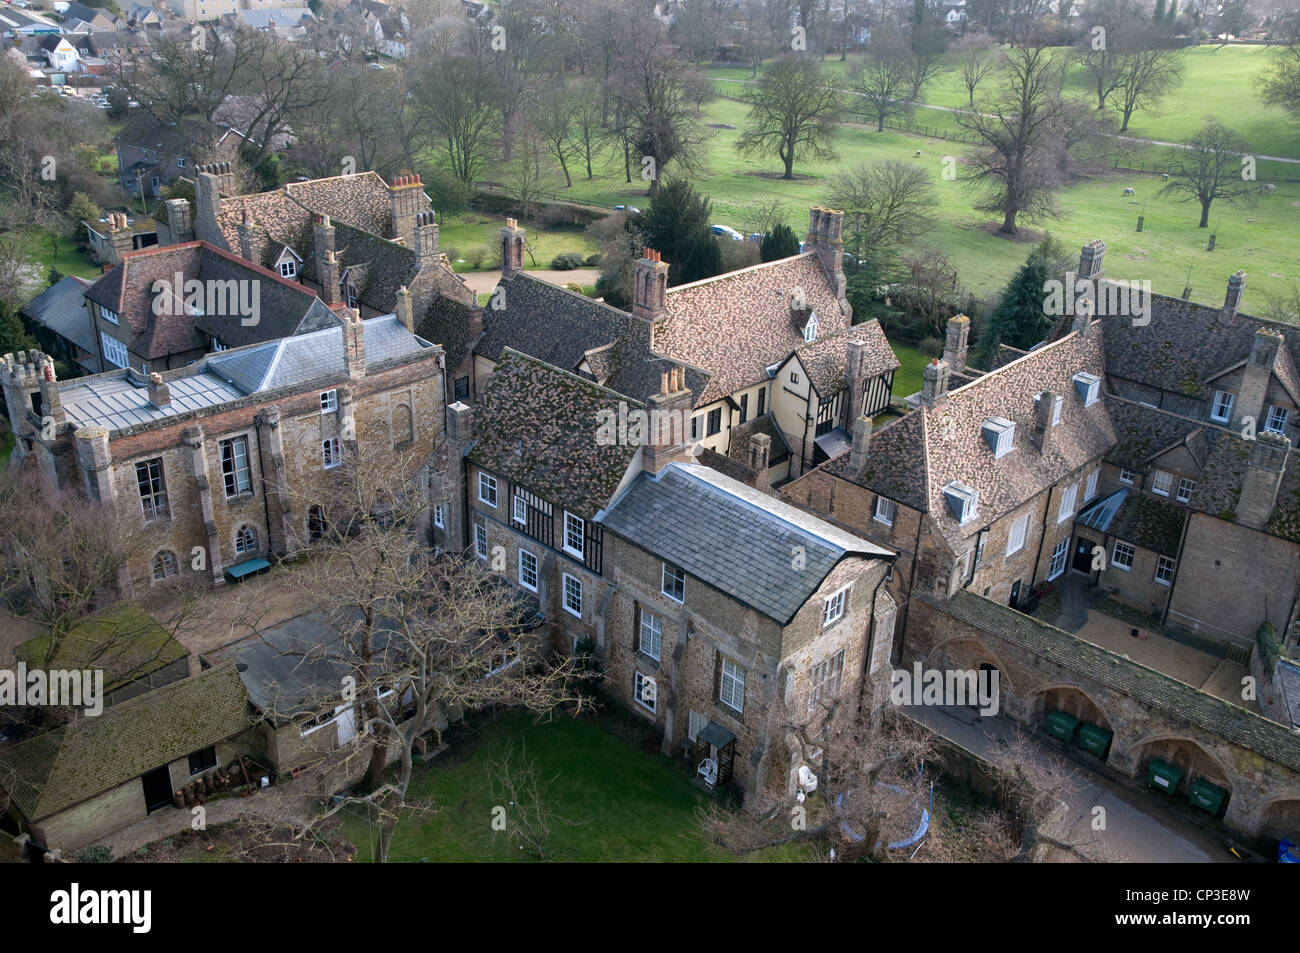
(1019, 320)
(780, 242)
(1160, 11)
(13, 336)
(677, 225)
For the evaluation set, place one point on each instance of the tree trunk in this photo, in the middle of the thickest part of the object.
(1205, 215)
(1009, 223)
(568, 179)
(789, 165)
(880, 122)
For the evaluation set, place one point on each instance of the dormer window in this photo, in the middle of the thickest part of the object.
(1000, 434)
(1088, 386)
(1056, 411)
(288, 268)
(810, 329)
(963, 501)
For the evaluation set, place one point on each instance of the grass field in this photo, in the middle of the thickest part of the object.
(907, 379)
(461, 233)
(69, 260)
(610, 801)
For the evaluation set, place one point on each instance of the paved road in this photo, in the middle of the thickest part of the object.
(1138, 827)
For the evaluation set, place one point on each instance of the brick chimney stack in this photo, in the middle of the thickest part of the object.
(825, 227)
(649, 285)
(1044, 415)
(669, 438)
(512, 249)
(160, 394)
(1259, 488)
(1252, 396)
(328, 272)
(426, 239)
(935, 387)
(1091, 269)
(180, 221)
(121, 237)
(406, 200)
(760, 455)
(1232, 301)
(403, 309)
(354, 344)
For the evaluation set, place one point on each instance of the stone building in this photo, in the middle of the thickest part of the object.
(210, 455)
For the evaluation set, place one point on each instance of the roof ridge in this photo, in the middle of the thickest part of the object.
(742, 271)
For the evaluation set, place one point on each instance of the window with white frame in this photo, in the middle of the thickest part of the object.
(979, 549)
(1091, 489)
(826, 677)
(153, 492)
(1068, 499)
(695, 723)
(644, 690)
(1164, 571)
(1127, 476)
(651, 638)
(521, 509)
(674, 583)
(1016, 536)
(575, 531)
(439, 515)
(963, 501)
(1276, 420)
(164, 565)
(288, 268)
(572, 595)
(331, 455)
(527, 570)
(1162, 482)
(480, 541)
(1185, 488)
(1000, 434)
(834, 607)
(329, 401)
(1121, 556)
(1088, 386)
(108, 315)
(115, 351)
(1221, 409)
(1059, 554)
(731, 684)
(487, 489)
(886, 510)
(234, 466)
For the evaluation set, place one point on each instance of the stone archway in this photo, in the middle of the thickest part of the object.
(1184, 753)
(1279, 818)
(967, 652)
(1070, 699)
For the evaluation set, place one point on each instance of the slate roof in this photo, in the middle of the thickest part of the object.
(1148, 521)
(738, 324)
(826, 359)
(1144, 432)
(536, 425)
(732, 537)
(121, 400)
(76, 762)
(1187, 345)
(449, 324)
(913, 458)
(62, 308)
(1167, 695)
(285, 307)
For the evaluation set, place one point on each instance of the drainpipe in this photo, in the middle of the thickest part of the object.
(1042, 535)
(266, 506)
(1178, 563)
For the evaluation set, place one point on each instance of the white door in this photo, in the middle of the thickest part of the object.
(347, 723)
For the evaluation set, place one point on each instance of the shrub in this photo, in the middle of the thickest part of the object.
(95, 854)
(477, 255)
(567, 261)
(574, 287)
(593, 260)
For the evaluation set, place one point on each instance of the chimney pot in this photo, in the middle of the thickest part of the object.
(862, 428)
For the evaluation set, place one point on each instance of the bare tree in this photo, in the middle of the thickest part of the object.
(977, 57)
(886, 204)
(522, 793)
(1211, 168)
(455, 102)
(529, 170)
(1280, 85)
(1023, 137)
(1145, 74)
(423, 639)
(793, 109)
(555, 123)
(881, 79)
(589, 132)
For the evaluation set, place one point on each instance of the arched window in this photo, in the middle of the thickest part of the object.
(245, 541)
(315, 523)
(403, 425)
(164, 565)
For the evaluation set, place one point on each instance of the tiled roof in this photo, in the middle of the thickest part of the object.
(826, 359)
(284, 306)
(738, 324)
(738, 448)
(1150, 522)
(1167, 695)
(1144, 432)
(1186, 345)
(732, 537)
(912, 459)
(74, 763)
(448, 323)
(537, 425)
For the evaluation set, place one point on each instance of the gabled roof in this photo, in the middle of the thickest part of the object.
(285, 307)
(732, 537)
(537, 425)
(826, 359)
(912, 459)
(73, 763)
(738, 324)
(1147, 521)
(62, 308)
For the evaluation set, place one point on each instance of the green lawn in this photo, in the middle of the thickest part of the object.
(907, 379)
(69, 260)
(461, 233)
(620, 804)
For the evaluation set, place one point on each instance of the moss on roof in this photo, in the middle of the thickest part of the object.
(124, 641)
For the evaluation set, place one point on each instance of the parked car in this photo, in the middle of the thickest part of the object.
(757, 237)
(729, 232)
(376, 65)
(627, 208)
